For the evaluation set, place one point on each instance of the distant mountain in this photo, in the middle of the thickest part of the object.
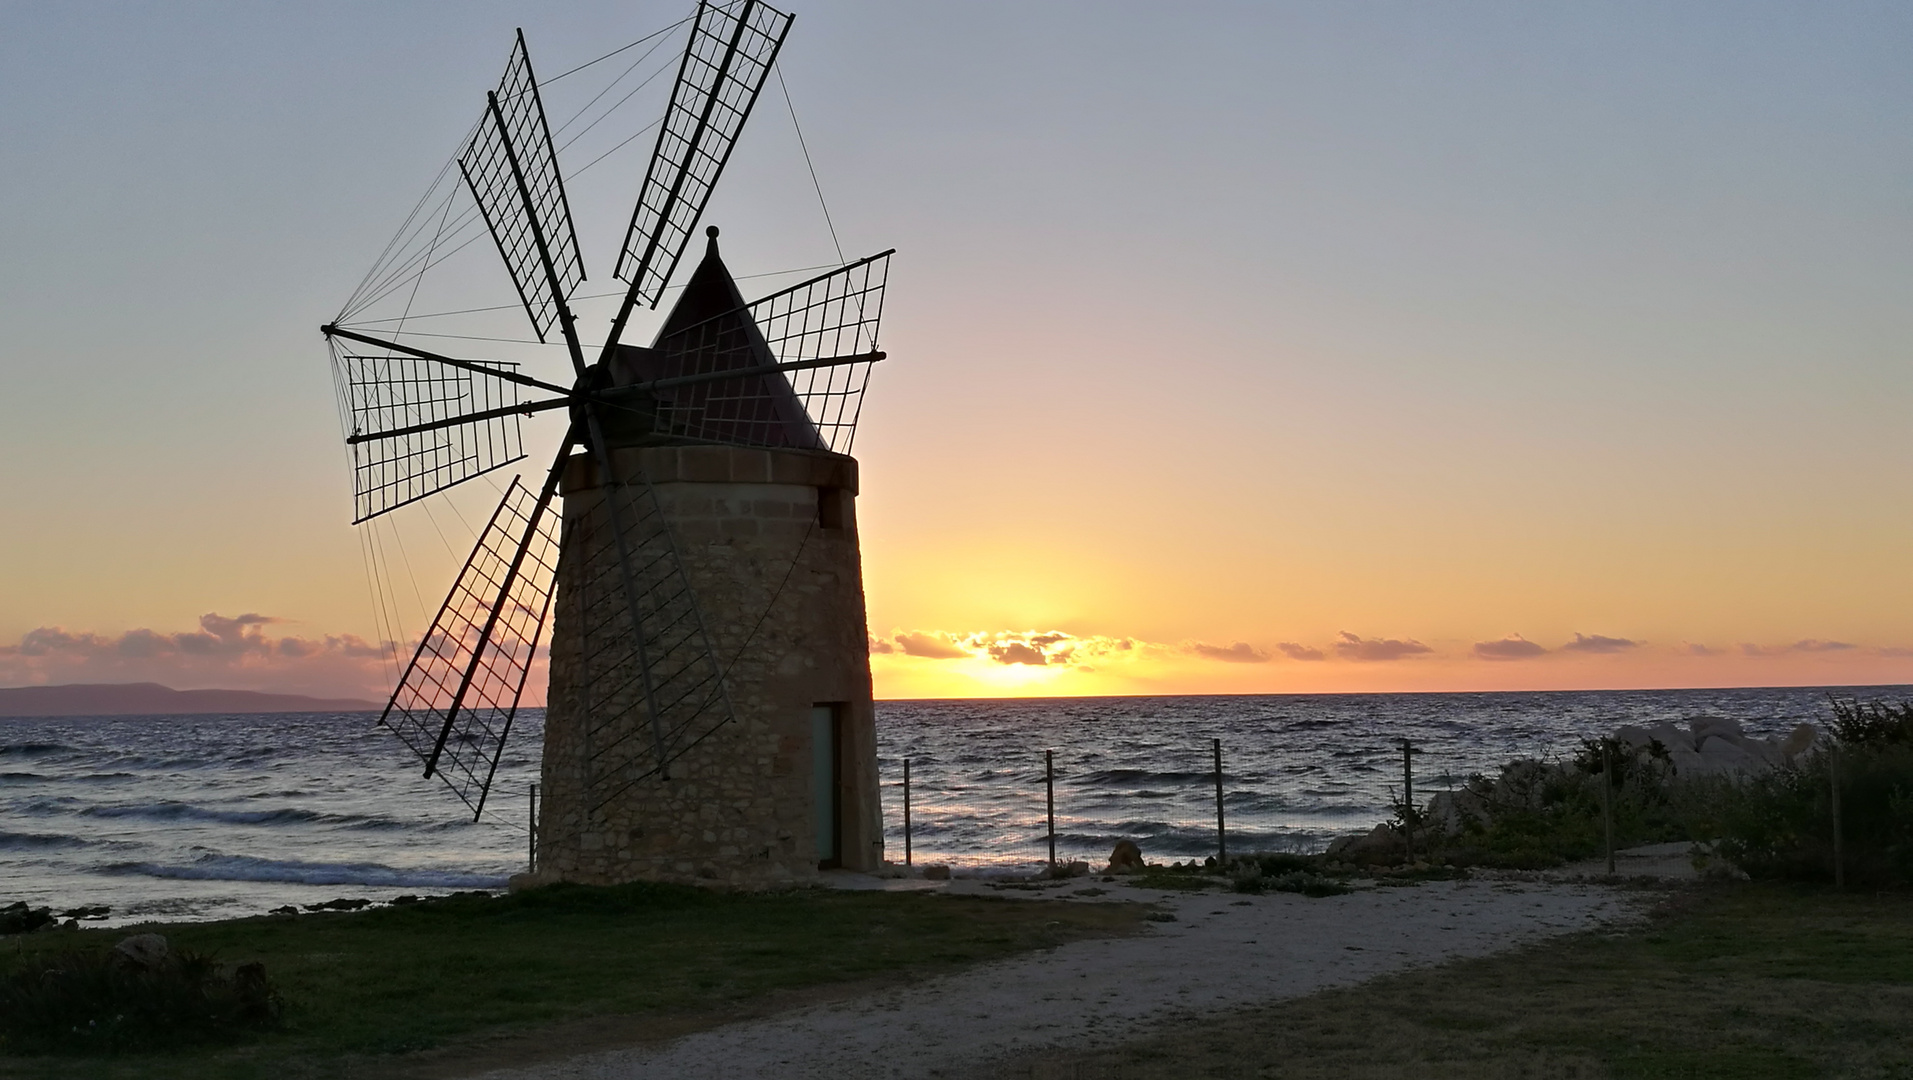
(152, 699)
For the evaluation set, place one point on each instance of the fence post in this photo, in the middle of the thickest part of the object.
(1839, 852)
(1222, 835)
(531, 834)
(1607, 805)
(1408, 800)
(1049, 798)
(906, 811)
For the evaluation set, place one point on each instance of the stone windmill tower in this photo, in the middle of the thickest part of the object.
(709, 716)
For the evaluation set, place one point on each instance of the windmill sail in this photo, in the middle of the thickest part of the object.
(733, 45)
(455, 704)
(379, 394)
(827, 324)
(512, 171)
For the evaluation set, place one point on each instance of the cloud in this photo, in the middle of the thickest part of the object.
(1240, 653)
(929, 646)
(1896, 650)
(1031, 648)
(1804, 645)
(227, 652)
(1598, 643)
(1018, 652)
(879, 645)
(1512, 647)
(1356, 648)
(1701, 650)
(1295, 651)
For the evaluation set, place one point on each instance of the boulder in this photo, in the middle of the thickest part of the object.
(1449, 813)
(1719, 756)
(1709, 727)
(1634, 735)
(18, 918)
(1671, 737)
(936, 872)
(1379, 845)
(1799, 741)
(143, 951)
(1126, 859)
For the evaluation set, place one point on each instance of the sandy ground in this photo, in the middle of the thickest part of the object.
(1223, 951)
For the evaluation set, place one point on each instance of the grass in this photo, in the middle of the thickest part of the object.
(366, 990)
(1730, 980)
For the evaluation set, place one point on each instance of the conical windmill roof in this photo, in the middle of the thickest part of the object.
(710, 329)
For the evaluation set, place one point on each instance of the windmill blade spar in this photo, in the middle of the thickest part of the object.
(415, 427)
(512, 170)
(733, 45)
(455, 704)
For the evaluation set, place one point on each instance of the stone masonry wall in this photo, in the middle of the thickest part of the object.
(737, 808)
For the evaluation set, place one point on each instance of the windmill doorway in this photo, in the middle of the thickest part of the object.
(826, 787)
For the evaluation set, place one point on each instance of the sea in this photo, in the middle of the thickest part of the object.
(215, 816)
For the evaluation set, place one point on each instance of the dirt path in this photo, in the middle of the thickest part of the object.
(1223, 951)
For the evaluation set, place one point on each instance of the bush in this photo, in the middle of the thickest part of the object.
(1780, 825)
(1536, 815)
(96, 1003)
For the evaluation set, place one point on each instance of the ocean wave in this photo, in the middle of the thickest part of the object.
(39, 841)
(179, 811)
(250, 868)
(34, 749)
(1144, 776)
(69, 778)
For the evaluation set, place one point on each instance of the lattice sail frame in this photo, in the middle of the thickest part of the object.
(386, 393)
(629, 738)
(455, 704)
(509, 164)
(731, 50)
(832, 317)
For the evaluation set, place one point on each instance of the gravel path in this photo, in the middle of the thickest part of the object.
(1223, 951)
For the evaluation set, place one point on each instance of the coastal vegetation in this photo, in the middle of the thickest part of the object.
(386, 990)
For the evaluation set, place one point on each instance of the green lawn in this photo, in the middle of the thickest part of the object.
(1726, 981)
(368, 990)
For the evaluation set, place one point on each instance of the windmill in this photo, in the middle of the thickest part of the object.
(650, 643)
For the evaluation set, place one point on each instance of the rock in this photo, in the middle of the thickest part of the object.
(286, 910)
(936, 872)
(1634, 735)
(1798, 741)
(143, 951)
(97, 912)
(1671, 737)
(1707, 727)
(1449, 813)
(1380, 844)
(1067, 870)
(18, 918)
(340, 904)
(1724, 755)
(1126, 859)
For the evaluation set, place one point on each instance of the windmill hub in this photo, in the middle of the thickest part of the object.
(709, 712)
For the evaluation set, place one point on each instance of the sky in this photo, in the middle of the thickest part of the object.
(1234, 348)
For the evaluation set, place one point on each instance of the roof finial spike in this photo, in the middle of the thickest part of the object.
(711, 231)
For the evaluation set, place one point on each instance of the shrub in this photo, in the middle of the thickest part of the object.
(1780, 825)
(92, 1003)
